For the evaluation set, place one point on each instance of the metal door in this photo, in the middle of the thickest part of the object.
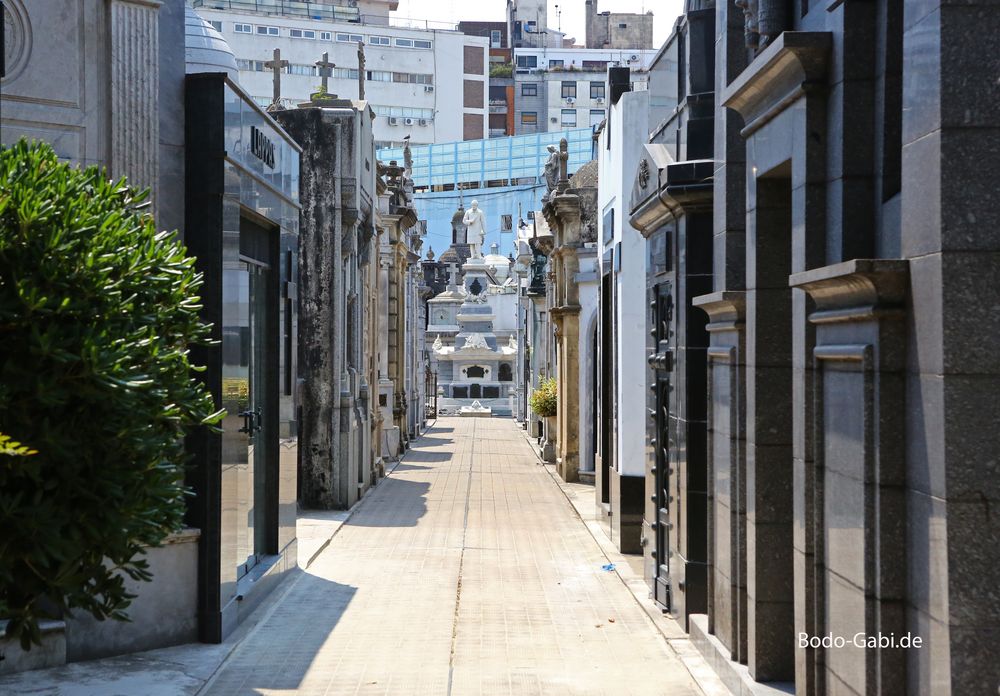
(661, 361)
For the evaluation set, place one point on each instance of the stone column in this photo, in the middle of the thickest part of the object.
(135, 89)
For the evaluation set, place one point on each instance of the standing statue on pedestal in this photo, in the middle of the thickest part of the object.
(475, 229)
(551, 169)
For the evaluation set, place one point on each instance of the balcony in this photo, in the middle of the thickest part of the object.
(286, 8)
(498, 106)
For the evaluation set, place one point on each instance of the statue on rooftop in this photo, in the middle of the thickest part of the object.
(475, 229)
(552, 168)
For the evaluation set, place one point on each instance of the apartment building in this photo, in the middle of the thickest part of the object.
(430, 84)
(557, 89)
(501, 86)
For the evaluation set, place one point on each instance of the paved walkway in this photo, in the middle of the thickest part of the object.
(465, 572)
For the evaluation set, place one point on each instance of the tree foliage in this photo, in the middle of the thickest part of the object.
(97, 312)
(545, 398)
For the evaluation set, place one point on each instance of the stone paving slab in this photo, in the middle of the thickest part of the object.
(465, 572)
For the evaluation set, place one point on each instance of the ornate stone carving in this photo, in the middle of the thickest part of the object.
(16, 39)
(643, 173)
(475, 342)
(764, 20)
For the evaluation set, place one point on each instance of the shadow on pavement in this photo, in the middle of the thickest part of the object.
(264, 664)
(403, 466)
(396, 502)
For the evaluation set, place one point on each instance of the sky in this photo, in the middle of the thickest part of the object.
(572, 18)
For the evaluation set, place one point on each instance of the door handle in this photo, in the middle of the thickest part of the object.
(248, 426)
(252, 422)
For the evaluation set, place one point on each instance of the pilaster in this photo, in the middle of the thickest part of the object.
(135, 88)
(856, 503)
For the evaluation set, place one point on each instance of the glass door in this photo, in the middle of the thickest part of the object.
(254, 416)
(244, 398)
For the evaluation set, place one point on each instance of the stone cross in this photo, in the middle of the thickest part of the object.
(325, 71)
(453, 274)
(361, 70)
(275, 65)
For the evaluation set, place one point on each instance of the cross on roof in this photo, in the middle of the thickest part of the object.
(453, 273)
(275, 65)
(325, 70)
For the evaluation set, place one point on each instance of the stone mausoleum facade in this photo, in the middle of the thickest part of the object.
(848, 470)
(475, 337)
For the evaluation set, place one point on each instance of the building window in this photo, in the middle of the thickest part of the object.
(326, 36)
(267, 31)
(529, 118)
(378, 40)
(216, 25)
(569, 118)
(597, 90)
(622, 26)
(350, 38)
(413, 78)
(569, 90)
(495, 38)
(379, 76)
(529, 89)
(256, 65)
(420, 43)
(596, 116)
(527, 61)
(302, 33)
(243, 28)
(556, 63)
(404, 43)
(299, 69)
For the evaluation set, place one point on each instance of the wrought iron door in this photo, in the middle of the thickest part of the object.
(661, 360)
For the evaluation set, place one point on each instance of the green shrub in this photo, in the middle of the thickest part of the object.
(97, 312)
(501, 69)
(544, 398)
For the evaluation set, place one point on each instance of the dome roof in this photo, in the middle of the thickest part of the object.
(205, 51)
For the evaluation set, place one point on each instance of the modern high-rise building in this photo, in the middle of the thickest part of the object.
(429, 83)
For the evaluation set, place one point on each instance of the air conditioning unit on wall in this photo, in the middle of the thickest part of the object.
(393, 120)
(422, 122)
(428, 88)
(408, 121)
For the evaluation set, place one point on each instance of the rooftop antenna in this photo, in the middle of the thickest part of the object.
(558, 19)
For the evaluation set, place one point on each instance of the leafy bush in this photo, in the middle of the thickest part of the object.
(501, 69)
(544, 398)
(97, 311)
